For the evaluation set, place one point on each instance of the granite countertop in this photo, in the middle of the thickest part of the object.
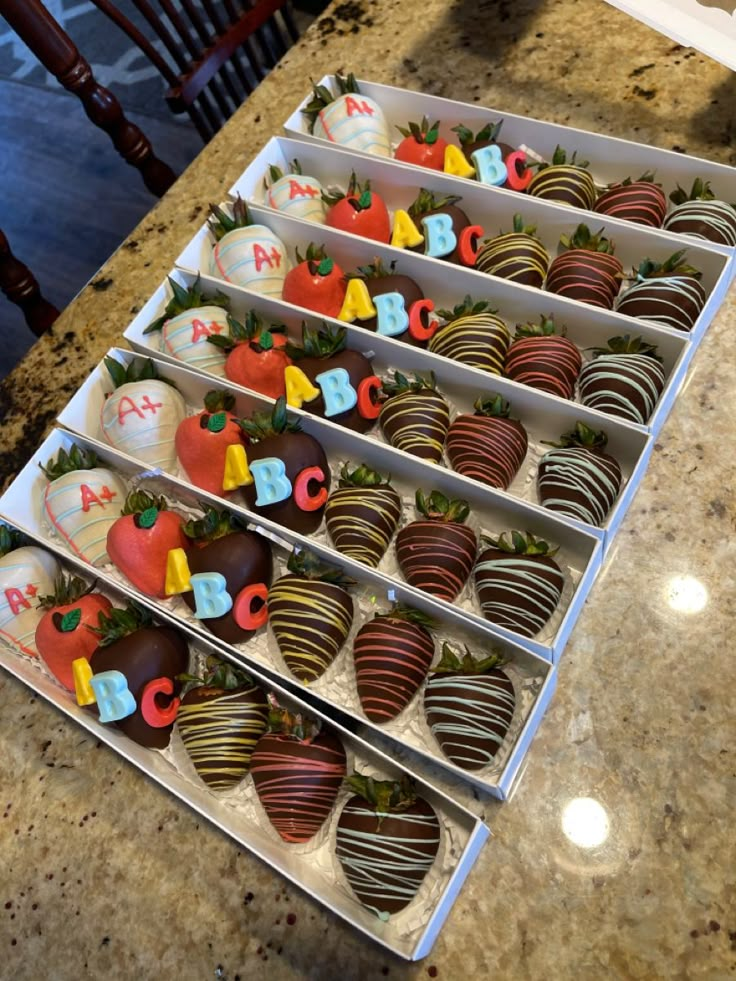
(105, 875)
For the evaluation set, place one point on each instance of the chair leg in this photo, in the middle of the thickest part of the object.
(19, 285)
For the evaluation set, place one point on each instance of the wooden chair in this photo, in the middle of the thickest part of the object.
(19, 285)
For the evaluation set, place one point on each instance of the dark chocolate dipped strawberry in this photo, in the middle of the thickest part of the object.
(701, 215)
(427, 203)
(566, 182)
(518, 583)
(274, 434)
(324, 348)
(392, 655)
(202, 441)
(487, 446)
(256, 354)
(436, 552)
(641, 201)
(473, 335)
(129, 642)
(422, 145)
(297, 770)
(469, 705)
(379, 280)
(310, 612)
(667, 293)
(415, 417)
(624, 379)
(224, 545)
(588, 271)
(316, 282)
(517, 255)
(362, 514)
(386, 841)
(543, 358)
(140, 540)
(64, 631)
(577, 478)
(220, 719)
(488, 136)
(359, 211)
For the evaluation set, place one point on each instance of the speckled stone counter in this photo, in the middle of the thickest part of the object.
(105, 875)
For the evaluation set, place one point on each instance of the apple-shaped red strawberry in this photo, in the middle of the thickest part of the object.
(140, 540)
(422, 145)
(316, 282)
(63, 633)
(359, 211)
(256, 355)
(202, 441)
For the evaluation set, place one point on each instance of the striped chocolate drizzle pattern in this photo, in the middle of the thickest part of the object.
(436, 556)
(489, 450)
(623, 385)
(520, 592)
(590, 277)
(690, 217)
(549, 364)
(361, 521)
(392, 657)
(565, 184)
(479, 340)
(579, 482)
(516, 256)
(674, 301)
(417, 423)
(642, 202)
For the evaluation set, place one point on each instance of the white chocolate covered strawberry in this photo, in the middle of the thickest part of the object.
(245, 254)
(26, 572)
(189, 320)
(349, 118)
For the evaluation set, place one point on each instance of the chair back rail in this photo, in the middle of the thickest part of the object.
(19, 285)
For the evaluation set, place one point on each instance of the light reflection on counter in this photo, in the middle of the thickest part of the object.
(686, 594)
(585, 822)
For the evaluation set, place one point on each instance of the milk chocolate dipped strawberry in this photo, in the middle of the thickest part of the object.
(256, 354)
(518, 583)
(488, 136)
(349, 118)
(25, 571)
(426, 204)
(273, 435)
(202, 441)
(189, 319)
(64, 631)
(473, 335)
(415, 417)
(641, 201)
(392, 654)
(310, 612)
(422, 145)
(362, 514)
(359, 211)
(297, 770)
(567, 183)
(386, 841)
(316, 282)
(667, 293)
(578, 478)
(245, 254)
(624, 379)
(543, 358)
(487, 446)
(701, 215)
(324, 348)
(224, 545)
(220, 718)
(517, 255)
(82, 501)
(469, 705)
(588, 271)
(295, 193)
(436, 552)
(378, 280)
(129, 642)
(139, 541)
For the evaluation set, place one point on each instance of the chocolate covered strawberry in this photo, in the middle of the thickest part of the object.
(256, 354)
(362, 514)
(436, 552)
(578, 478)
(139, 541)
(488, 446)
(641, 201)
(392, 655)
(221, 717)
(144, 653)
(426, 204)
(422, 145)
(469, 704)
(245, 253)
(64, 632)
(518, 583)
(517, 255)
(668, 293)
(297, 770)
(310, 612)
(543, 358)
(379, 280)
(624, 379)
(189, 319)
(25, 571)
(295, 193)
(415, 417)
(699, 214)
(588, 271)
(348, 118)
(224, 545)
(316, 282)
(566, 182)
(386, 841)
(359, 211)
(488, 136)
(274, 435)
(473, 335)
(202, 441)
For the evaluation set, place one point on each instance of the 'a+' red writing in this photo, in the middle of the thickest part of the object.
(201, 329)
(297, 190)
(355, 108)
(128, 405)
(271, 259)
(89, 497)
